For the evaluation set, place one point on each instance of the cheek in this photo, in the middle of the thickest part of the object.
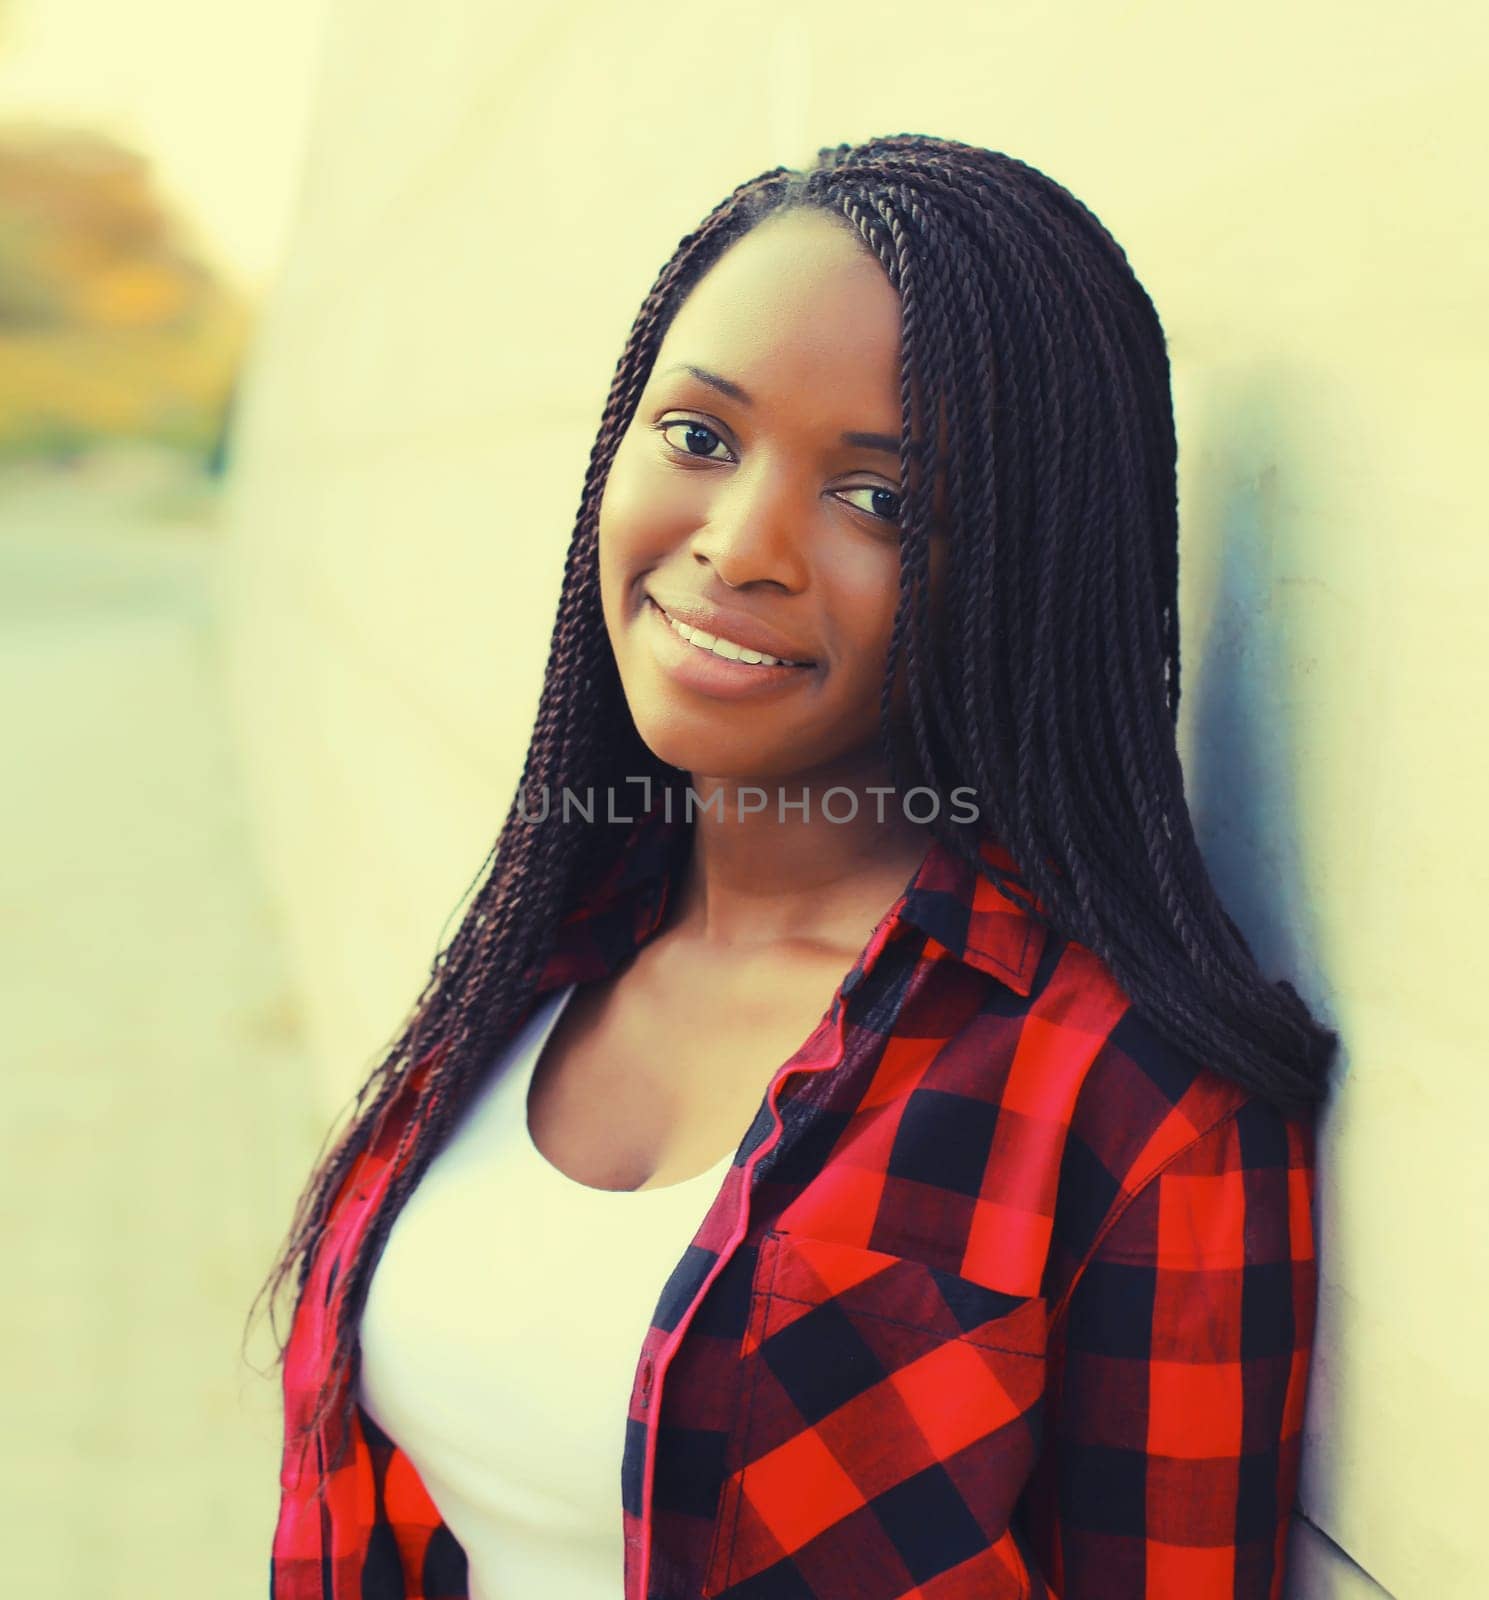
(866, 591)
(645, 509)
(630, 530)
(623, 505)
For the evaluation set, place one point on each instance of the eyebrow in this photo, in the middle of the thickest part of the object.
(863, 441)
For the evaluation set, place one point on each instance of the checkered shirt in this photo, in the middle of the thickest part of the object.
(1002, 1298)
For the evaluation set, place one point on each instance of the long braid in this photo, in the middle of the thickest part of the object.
(940, 350)
(1049, 685)
(1179, 870)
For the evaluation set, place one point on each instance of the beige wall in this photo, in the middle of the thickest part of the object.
(490, 192)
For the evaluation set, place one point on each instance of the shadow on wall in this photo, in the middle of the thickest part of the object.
(1254, 533)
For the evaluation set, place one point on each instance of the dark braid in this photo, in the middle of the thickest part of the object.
(1050, 687)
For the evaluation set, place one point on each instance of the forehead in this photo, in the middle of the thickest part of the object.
(798, 301)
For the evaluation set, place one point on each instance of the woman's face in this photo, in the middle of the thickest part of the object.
(755, 495)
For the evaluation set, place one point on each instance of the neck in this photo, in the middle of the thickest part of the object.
(788, 872)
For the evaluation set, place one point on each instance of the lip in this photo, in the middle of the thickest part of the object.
(735, 626)
(708, 674)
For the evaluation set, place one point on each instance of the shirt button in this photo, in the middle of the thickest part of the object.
(646, 1383)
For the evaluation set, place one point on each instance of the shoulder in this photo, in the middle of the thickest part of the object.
(1164, 1154)
(1105, 1067)
(1054, 1104)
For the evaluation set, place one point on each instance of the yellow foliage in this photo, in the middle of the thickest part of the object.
(133, 294)
(111, 325)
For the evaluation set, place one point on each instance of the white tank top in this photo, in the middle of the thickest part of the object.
(500, 1338)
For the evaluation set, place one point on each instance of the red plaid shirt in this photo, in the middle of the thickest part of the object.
(1001, 1297)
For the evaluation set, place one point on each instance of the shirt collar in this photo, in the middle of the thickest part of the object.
(946, 898)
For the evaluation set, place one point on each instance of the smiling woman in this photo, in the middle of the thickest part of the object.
(804, 1188)
(747, 501)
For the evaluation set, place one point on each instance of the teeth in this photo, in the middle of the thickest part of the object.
(726, 647)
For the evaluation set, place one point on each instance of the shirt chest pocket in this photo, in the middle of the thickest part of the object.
(887, 1419)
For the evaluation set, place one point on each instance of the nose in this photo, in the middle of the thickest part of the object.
(756, 528)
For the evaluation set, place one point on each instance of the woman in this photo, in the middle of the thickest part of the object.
(847, 1149)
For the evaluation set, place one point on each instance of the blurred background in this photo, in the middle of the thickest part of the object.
(307, 315)
(161, 1109)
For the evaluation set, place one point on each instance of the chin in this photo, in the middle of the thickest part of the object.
(701, 755)
(718, 751)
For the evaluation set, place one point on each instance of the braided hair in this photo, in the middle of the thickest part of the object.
(1035, 399)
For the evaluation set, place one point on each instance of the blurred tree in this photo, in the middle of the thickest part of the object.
(112, 325)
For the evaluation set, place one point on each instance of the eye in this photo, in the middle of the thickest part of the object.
(886, 507)
(701, 441)
(696, 438)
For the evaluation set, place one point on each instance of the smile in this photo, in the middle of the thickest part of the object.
(727, 648)
(718, 668)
